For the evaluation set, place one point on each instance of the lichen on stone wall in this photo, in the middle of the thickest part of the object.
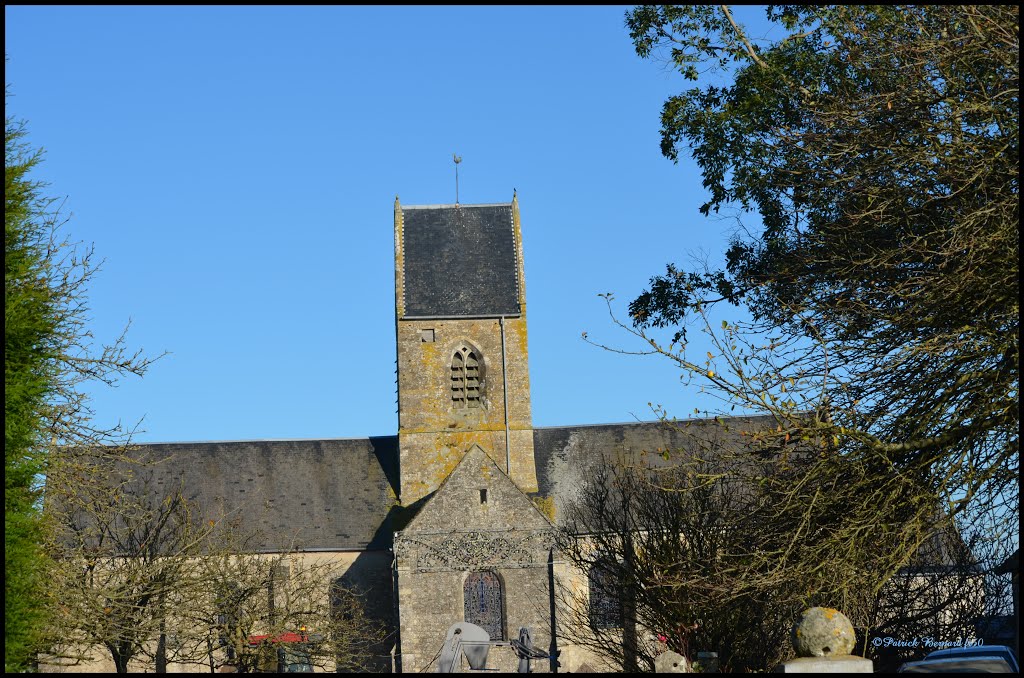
(545, 505)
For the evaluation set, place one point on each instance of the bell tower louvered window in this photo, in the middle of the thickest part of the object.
(484, 603)
(467, 380)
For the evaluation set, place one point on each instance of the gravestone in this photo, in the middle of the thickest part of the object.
(466, 639)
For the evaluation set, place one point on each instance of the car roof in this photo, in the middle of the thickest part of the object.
(982, 664)
(972, 650)
(978, 651)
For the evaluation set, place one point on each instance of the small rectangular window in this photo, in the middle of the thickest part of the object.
(483, 496)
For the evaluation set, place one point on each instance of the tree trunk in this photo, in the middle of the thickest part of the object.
(161, 645)
(161, 652)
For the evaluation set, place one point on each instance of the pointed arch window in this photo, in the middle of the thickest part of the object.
(605, 602)
(467, 378)
(230, 604)
(484, 602)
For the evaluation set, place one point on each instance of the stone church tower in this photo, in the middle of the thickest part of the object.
(460, 308)
(472, 545)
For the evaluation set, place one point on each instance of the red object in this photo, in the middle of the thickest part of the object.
(281, 638)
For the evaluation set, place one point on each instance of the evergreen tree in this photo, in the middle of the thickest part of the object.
(30, 322)
(48, 355)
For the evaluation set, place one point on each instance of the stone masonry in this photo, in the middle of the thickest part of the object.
(433, 432)
(460, 530)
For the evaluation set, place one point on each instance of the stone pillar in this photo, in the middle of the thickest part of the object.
(708, 662)
(823, 639)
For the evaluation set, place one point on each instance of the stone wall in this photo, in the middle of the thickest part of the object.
(459, 530)
(434, 434)
(572, 615)
(368, 573)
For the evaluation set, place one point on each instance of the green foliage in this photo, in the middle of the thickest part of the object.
(879, 146)
(48, 355)
(30, 320)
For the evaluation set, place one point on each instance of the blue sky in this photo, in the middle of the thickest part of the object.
(236, 168)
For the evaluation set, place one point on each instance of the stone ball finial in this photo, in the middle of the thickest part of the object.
(823, 632)
(670, 662)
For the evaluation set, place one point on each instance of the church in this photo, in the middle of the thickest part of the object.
(453, 518)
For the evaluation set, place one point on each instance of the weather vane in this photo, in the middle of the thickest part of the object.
(457, 160)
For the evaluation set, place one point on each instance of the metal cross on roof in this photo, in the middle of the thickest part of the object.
(457, 160)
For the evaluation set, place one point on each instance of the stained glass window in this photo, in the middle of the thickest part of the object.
(484, 604)
(605, 604)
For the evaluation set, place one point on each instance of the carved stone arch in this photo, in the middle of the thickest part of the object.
(483, 601)
(468, 376)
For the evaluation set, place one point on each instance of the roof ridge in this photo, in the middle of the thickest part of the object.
(459, 205)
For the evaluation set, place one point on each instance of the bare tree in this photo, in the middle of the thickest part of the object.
(50, 354)
(719, 549)
(153, 581)
(254, 612)
(878, 146)
(123, 550)
(670, 553)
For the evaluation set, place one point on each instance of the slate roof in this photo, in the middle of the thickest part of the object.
(460, 260)
(339, 494)
(308, 494)
(565, 455)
